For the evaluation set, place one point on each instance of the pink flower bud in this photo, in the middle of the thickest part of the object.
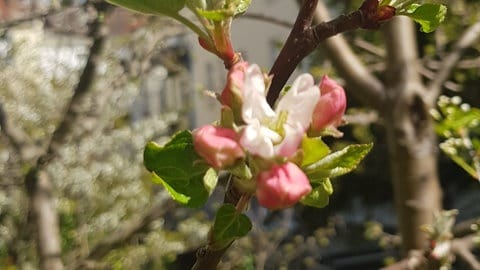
(218, 146)
(330, 107)
(232, 93)
(282, 186)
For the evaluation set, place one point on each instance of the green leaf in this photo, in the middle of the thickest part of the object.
(180, 170)
(428, 15)
(319, 196)
(179, 197)
(338, 163)
(457, 121)
(314, 149)
(470, 169)
(215, 15)
(229, 225)
(166, 7)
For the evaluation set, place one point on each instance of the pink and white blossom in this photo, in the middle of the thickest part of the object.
(269, 132)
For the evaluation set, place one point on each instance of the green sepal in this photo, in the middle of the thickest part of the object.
(428, 15)
(165, 7)
(229, 225)
(210, 180)
(217, 15)
(314, 149)
(338, 163)
(319, 196)
(180, 170)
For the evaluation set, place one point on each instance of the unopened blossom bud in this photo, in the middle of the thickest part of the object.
(232, 93)
(330, 107)
(282, 186)
(385, 13)
(374, 13)
(218, 146)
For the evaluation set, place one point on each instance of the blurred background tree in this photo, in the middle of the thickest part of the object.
(110, 215)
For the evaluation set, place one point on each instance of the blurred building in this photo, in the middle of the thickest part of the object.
(169, 89)
(258, 41)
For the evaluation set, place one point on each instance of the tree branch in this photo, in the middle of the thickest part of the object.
(300, 43)
(463, 248)
(364, 86)
(450, 61)
(400, 39)
(269, 19)
(417, 259)
(38, 183)
(207, 256)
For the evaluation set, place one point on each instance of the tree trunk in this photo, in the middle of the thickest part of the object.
(43, 209)
(410, 135)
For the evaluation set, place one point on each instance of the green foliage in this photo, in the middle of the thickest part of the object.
(337, 163)
(321, 191)
(165, 7)
(314, 149)
(233, 8)
(229, 225)
(428, 15)
(320, 166)
(180, 170)
(459, 124)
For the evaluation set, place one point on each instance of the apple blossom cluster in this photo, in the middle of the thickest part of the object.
(268, 140)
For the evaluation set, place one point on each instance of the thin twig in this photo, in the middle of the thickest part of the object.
(468, 38)
(463, 248)
(363, 85)
(269, 19)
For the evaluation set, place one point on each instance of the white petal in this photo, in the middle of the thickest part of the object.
(255, 105)
(300, 101)
(292, 139)
(257, 139)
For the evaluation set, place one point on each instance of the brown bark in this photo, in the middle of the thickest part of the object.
(44, 213)
(364, 86)
(410, 135)
(305, 38)
(403, 103)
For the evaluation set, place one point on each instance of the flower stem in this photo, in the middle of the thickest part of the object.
(191, 25)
